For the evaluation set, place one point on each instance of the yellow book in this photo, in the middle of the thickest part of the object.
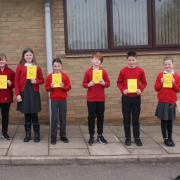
(3, 81)
(132, 85)
(57, 79)
(31, 72)
(97, 76)
(167, 80)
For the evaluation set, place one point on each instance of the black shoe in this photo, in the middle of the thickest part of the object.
(101, 139)
(127, 142)
(138, 142)
(91, 140)
(171, 143)
(64, 139)
(166, 142)
(5, 136)
(53, 141)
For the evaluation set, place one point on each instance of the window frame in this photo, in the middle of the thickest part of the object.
(152, 45)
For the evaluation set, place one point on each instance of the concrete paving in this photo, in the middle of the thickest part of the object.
(77, 150)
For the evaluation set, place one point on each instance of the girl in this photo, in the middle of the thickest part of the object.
(167, 86)
(6, 93)
(58, 95)
(27, 80)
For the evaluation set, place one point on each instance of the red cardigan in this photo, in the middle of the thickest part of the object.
(20, 79)
(128, 73)
(6, 95)
(96, 92)
(58, 93)
(167, 95)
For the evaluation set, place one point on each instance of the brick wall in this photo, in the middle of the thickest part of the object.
(22, 25)
(76, 66)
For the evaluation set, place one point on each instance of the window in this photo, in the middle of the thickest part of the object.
(111, 25)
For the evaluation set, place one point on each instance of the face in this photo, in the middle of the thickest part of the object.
(168, 65)
(3, 62)
(28, 56)
(95, 61)
(132, 62)
(57, 67)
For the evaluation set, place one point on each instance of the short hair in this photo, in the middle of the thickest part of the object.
(3, 56)
(98, 55)
(168, 58)
(131, 53)
(57, 60)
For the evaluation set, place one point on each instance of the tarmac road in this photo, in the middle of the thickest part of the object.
(125, 171)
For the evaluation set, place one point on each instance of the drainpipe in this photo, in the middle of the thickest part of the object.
(47, 6)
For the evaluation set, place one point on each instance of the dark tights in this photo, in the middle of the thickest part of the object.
(166, 128)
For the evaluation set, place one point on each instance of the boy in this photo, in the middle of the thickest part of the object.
(58, 84)
(95, 85)
(131, 82)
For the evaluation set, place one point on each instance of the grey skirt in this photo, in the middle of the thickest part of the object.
(166, 111)
(31, 101)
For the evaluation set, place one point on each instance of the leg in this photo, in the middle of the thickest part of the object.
(100, 108)
(169, 130)
(62, 118)
(163, 129)
(126, 111)
(91, 120)
(91, 117)
(27, 127)
(136, 108)
(54, 118)
(36, 127)
(5, 119)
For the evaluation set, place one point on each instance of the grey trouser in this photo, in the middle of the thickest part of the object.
(58, 111)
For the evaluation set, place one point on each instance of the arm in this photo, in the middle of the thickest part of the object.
(16, 82)
(158, 84)
(48, 83)
(143, 81)
(120, 82)
(176, 84)
(85, 80)
(106, 79)
(67, 84)
(39, 79)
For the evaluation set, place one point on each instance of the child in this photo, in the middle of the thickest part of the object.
(96, 97)
(27, 80)
(58, 95)
(166, 94)
(133, 77)
(6, 93)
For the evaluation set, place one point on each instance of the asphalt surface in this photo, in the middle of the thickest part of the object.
(124, 171)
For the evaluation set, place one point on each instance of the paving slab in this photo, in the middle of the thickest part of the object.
(74, 143)
(111, 149)
(28, 149)
(68, 152)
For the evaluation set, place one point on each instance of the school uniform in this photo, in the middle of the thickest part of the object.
(166, 107)
(95, 101)
(131, 102)
(6, 98)
(31, 102)
(58, 97)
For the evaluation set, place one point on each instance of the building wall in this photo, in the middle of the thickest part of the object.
(22, 25)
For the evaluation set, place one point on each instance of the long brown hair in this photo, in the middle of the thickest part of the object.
(23, 61)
